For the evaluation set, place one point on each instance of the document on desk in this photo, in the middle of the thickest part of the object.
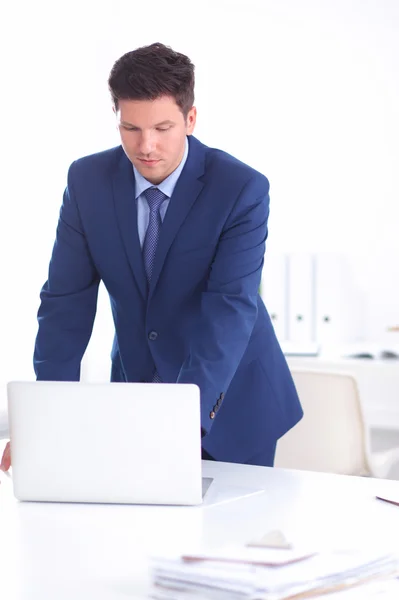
(205, 576)
(375, 590)
(266, 557)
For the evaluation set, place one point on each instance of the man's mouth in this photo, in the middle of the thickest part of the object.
(149, 163)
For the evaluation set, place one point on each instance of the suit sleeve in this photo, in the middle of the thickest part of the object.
(229, 304)
(68, 298)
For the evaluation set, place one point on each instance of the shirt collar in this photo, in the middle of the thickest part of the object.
(167, 185)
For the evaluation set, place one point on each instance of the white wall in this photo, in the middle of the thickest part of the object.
(307, 92)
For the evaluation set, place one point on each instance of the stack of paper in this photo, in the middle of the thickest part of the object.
(269, 574)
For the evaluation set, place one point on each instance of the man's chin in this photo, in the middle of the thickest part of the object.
(153, 173)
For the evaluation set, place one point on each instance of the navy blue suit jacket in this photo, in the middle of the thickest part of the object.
(201, 320)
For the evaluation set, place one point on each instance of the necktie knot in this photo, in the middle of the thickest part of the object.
(154, 197)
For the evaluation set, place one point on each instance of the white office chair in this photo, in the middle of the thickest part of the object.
(3, 425)
(332, 436)
(4, 434)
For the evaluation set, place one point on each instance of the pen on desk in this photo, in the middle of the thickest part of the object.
(394, 502)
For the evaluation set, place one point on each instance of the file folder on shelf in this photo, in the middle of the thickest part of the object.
(274, 292)
(301, 338)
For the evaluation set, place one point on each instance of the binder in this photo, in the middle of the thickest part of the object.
(274, 291)
(301, 300)
(338, 303)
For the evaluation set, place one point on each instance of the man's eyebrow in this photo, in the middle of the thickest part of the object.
(126, 124)
(167, 122)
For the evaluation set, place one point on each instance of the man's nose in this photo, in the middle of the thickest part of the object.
(147, 143)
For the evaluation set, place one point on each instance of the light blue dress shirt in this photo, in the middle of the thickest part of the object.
(167, 186)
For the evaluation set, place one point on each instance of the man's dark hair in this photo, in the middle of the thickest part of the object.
(151, 72)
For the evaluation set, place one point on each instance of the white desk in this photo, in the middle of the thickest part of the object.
(378, 382)
(100, 552)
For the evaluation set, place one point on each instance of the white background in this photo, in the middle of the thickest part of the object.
(307, 92)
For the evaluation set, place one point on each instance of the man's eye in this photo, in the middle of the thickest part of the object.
(163, 128)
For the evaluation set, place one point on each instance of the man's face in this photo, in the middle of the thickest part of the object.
(153, 135)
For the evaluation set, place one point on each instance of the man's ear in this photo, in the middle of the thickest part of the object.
(191, 120)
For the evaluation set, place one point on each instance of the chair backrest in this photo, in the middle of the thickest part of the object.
(332, 436)
(3, 425)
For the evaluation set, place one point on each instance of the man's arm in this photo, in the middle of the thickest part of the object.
(229, 305)
(68, 299)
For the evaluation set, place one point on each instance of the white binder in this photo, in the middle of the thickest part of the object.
(274, 291)
(338, 302)
(301, 300)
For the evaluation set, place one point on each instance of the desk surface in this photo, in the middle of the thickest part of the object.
(82, 551)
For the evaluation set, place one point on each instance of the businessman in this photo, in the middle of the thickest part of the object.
(176, 231)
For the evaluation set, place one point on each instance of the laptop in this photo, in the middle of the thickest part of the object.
(130, 443)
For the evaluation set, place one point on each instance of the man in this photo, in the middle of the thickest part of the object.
(176, 231)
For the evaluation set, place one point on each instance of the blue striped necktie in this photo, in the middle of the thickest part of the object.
(154, 197)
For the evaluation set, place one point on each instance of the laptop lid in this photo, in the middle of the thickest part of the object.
(134, 443)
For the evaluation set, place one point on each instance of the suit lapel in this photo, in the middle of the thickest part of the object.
(126, 211)
(184, 195)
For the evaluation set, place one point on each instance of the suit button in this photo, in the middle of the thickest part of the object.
(218, 403)
(212, 414)
(216, 407)
(221, 397)
(152, 336)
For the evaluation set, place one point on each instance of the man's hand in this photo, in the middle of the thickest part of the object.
(6, 460)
